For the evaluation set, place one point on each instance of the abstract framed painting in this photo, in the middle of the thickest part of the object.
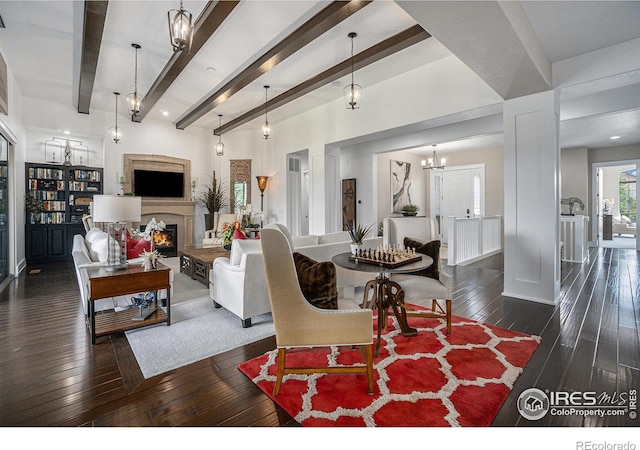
(400, 185)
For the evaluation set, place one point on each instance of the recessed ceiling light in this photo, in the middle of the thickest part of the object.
(613, 138)
(211, 69)
(66, 132)
(164, 113)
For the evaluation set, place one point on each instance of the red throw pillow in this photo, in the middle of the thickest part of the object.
(239, 234)
(139, 248)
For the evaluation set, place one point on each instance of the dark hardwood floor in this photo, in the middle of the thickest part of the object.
(50, 375)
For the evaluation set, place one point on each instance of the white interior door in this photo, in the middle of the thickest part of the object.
(304, 211)
(462, 194)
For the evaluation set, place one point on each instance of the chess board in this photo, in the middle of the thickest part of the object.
(385, 264)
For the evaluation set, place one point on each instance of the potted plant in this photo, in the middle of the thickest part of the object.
(35, 207)
(410, 210)
(357, 234)
(213, 197)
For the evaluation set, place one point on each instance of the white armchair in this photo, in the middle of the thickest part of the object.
(418, 289)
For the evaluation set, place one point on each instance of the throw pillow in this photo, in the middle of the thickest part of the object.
(318, 281)
(431, 249)
(239, 234)
(138, 248)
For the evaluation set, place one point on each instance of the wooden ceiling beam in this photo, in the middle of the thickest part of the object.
(330, 16)
(389, 46)
(95, 15)
(211, 18)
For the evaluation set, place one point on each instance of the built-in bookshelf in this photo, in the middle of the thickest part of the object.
(57, 199)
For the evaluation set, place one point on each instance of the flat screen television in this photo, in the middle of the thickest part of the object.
(152, 183)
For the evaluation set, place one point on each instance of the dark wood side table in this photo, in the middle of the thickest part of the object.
(132, 280)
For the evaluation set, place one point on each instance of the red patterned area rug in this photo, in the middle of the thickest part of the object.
(427, 380)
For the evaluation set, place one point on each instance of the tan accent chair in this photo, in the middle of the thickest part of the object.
(300, 324)
(214, 237)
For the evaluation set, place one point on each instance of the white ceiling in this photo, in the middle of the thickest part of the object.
(41, 44)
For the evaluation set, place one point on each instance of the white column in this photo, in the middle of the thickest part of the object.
(532, 199)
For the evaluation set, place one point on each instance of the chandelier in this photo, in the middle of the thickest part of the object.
(180, 29)
(434, 162)
(134, 99)
(352, 92)
(219, 146)
(115, 132)
(266, 126)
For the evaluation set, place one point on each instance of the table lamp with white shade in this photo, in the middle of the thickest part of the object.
(116, 211)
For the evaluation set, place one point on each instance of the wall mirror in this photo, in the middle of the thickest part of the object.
(240, 179)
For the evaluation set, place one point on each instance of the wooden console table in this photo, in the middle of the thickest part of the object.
(132, 280)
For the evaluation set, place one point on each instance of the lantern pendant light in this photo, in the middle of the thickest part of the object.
(352, 92)
(180, 29)
(219, 146)
(116, 132)
(134, 99)
(266, 126)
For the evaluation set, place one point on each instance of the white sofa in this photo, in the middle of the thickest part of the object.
(238, 283)
(91, 251)
(624, 225)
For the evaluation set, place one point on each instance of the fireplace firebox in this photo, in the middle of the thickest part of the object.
(166, 241)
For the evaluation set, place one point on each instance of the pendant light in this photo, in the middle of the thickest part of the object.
(115, 132)
(180, 29)
(352, 92)
(266, 126)
(219, 146)
(434, 163)
(134, 99)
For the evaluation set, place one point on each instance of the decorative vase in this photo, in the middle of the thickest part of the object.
(208, 222)
(409, 214)
(227, 246)
(355, 246)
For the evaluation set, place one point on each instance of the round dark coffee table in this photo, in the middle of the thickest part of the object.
(384, 292)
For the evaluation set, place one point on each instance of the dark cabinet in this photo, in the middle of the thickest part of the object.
(59, 196)
(607, 227)
(46, 243)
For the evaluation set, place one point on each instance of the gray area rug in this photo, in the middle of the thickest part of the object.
(198, 330)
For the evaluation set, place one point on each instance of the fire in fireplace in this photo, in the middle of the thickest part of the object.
(166, 241)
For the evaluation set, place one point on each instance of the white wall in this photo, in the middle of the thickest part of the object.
(13, 124)
(444, 87)
(574, 182)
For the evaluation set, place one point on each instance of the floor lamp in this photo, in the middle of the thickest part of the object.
(262, 185)
(116, 211)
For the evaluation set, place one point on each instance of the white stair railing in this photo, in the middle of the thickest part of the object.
(473, 238)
